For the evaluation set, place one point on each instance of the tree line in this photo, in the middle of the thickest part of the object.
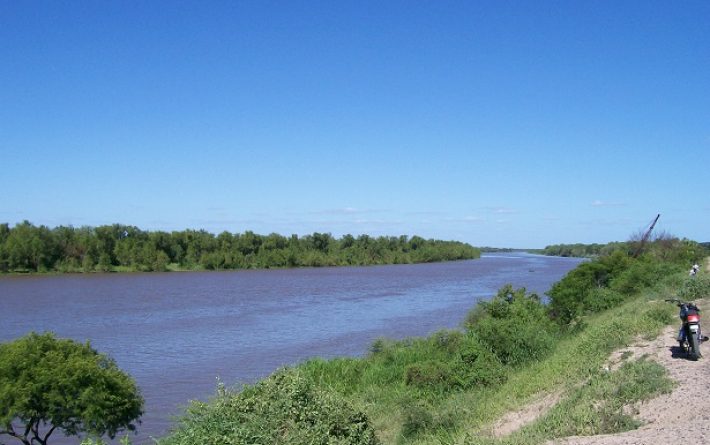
(664, 242)
(581, 250)
(30, 248)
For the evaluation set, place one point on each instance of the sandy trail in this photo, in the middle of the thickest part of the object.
(682, 416)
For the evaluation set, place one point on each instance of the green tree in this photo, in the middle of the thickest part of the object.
(48, 383)
(4, 233)
(29, 248)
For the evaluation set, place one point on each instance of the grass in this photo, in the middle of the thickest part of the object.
(429, 414)
(577, 360)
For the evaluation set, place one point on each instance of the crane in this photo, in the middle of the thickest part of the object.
(645, 236)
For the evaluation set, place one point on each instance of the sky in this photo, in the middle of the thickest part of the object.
(498, 123)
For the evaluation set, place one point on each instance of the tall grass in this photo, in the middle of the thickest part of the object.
(578, 359)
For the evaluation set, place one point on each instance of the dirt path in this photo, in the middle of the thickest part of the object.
(667, 419)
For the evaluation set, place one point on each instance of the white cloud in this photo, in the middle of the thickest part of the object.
(501, 210)
(600, 203)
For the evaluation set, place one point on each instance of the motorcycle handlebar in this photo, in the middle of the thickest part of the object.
(680, 303)
(677, 301)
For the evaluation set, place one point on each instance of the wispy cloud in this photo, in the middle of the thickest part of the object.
(501, 210)
(346, 211)
(600, 203)
(464, 219)
(608, 222)
(426, 213)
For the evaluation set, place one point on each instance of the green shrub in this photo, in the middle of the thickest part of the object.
(602, 298)
(471, 363)
(285, 408)
(447, 340)
(515, 326)
(417, 418)
(570, 297)
(643, 273)
(431, 373)
(695, 288)
(477, 365)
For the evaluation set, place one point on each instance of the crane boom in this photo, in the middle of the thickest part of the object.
(645, 236)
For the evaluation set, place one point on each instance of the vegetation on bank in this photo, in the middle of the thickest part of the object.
(596, 249)
(450, 387)
(30, 248)
(581, 250)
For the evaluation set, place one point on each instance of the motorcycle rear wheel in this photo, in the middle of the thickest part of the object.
(694, 347)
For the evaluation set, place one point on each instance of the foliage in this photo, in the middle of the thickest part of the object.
(610, 279)
(465, 364)
(583, 250)
(695, 288)
(125, 440)
(50, 383)
(286, 408)
(420, 417)
(514, 325)
(571, 296)
(28, 248)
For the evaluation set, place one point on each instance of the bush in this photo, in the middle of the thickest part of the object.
(420, 417)
(640, 274)
(695, 288)
(417, 418)
(515, 326)
(456, 361)
(602, 298)
(285, 408)
(447, 341)
(429, 374)
(570, 297)
(478, 365)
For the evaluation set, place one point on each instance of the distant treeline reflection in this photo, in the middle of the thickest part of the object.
(117, 247)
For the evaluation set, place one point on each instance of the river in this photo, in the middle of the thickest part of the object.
(178, 333)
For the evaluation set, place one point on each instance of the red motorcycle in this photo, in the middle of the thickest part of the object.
(689, 336)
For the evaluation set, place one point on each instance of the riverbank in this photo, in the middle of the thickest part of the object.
(455, 386)
(175, 333)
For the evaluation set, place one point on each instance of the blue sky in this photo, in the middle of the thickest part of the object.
(499, 123)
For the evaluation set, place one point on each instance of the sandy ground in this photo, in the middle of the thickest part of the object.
(683, 415)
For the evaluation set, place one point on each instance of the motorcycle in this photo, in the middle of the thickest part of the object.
(689, 336)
